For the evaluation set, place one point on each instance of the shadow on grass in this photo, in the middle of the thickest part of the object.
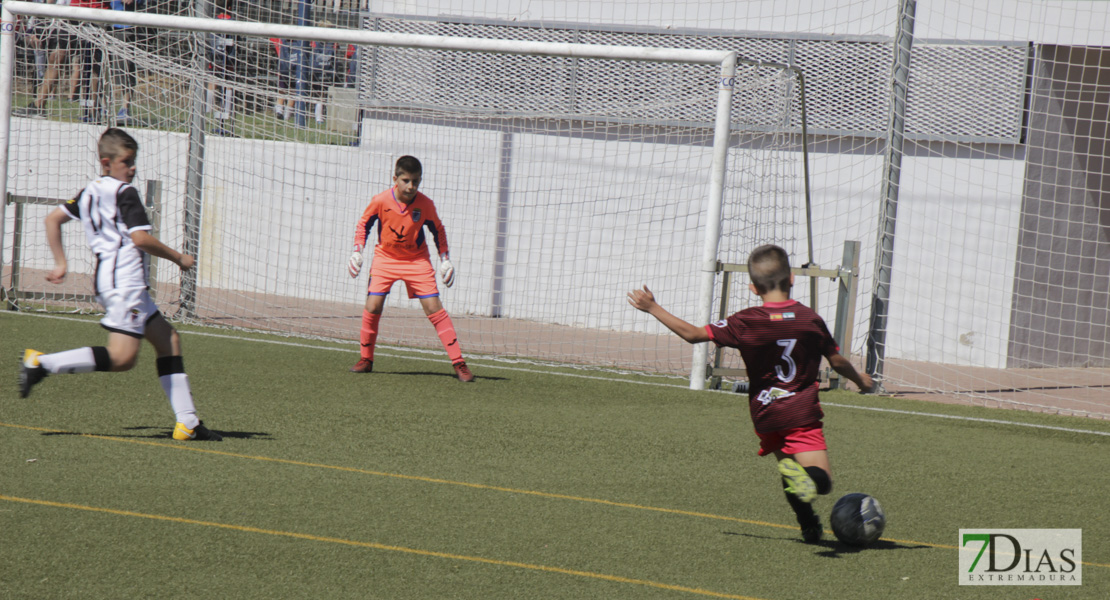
(834, 548)
(441, 374)
(161, 433)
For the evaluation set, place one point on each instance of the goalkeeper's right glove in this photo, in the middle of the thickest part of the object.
(355, 264)
(446, 270)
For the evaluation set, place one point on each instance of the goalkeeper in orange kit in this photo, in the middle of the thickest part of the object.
(401, 215)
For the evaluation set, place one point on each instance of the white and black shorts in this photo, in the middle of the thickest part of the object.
(127, 310)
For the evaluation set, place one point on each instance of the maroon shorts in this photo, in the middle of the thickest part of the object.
(794, 440)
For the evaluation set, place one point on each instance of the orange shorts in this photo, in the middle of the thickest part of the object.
(793, 440)
(418, 275)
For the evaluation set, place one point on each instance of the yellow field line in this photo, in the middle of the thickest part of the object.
(377, 546)
(478, 486)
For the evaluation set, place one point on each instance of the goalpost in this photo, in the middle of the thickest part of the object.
(566, 174)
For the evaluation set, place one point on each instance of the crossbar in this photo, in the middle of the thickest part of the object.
(350, 36)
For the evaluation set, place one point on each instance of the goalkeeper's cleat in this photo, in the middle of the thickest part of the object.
(463, 372)
(30, 372)
(798, 482)
(200, 432)
(812, 532)
(364, 365)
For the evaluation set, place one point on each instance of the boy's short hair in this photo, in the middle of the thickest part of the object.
(769, 267)
(408, 164)
(114, 142)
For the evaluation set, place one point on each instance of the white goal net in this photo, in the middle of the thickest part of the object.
(564, 181)
(984, 263)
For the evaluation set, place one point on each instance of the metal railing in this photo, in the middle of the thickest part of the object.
(15, 293)
(847, 278)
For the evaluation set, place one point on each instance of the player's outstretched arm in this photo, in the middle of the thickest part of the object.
(54, 222)
(847, 369)
(644, 300)
(152, 246)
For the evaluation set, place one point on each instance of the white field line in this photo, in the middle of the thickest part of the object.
(490, 362)
(959, 418)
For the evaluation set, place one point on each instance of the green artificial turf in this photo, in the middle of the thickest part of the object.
(528, 483)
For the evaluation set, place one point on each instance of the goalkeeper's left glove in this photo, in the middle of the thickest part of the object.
(355, 264)
(446, 270)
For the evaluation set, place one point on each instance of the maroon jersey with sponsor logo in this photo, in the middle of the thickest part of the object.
(782, 344)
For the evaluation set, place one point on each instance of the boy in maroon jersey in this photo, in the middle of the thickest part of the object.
(782, 343)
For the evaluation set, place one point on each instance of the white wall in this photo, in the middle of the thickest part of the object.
(291, 235)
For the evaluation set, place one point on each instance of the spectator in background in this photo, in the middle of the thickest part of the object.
(129, 35)
(352, 66)
(88, 60)
(283, 104)
(220, 99)
(52, 37)
(322, 74)
(25, 35)
(323, 71)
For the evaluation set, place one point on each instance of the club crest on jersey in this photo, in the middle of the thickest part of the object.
(416, 215)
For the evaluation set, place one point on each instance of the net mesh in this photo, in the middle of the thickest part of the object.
(563, 183)
(1000, 279)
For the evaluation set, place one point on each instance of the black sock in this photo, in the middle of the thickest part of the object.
(821, 478)
(101, 358)
(169, 365)
(802, 510)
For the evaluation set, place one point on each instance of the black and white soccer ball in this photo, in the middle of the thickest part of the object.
(858, 519)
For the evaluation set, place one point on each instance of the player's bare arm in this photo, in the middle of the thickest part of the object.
(152, 246)
(644, 300)
(847, 369)
(54, 222)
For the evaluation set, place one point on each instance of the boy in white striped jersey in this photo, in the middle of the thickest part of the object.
(118, 233)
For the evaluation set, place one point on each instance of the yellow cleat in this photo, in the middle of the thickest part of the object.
(798, 482)
(31, 358)
(30, 372)
(200, 432)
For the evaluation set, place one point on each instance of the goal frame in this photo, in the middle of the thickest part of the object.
(726, 60)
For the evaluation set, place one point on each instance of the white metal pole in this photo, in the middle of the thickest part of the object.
(331, 34)
(7, 79)
(721, 139)
(892, 178)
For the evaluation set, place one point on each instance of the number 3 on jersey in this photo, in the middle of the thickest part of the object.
(791, 367)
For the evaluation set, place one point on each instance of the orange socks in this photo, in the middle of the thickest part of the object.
(446, 330)
(368, 335)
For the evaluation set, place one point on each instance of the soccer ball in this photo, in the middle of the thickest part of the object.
(858, 519)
